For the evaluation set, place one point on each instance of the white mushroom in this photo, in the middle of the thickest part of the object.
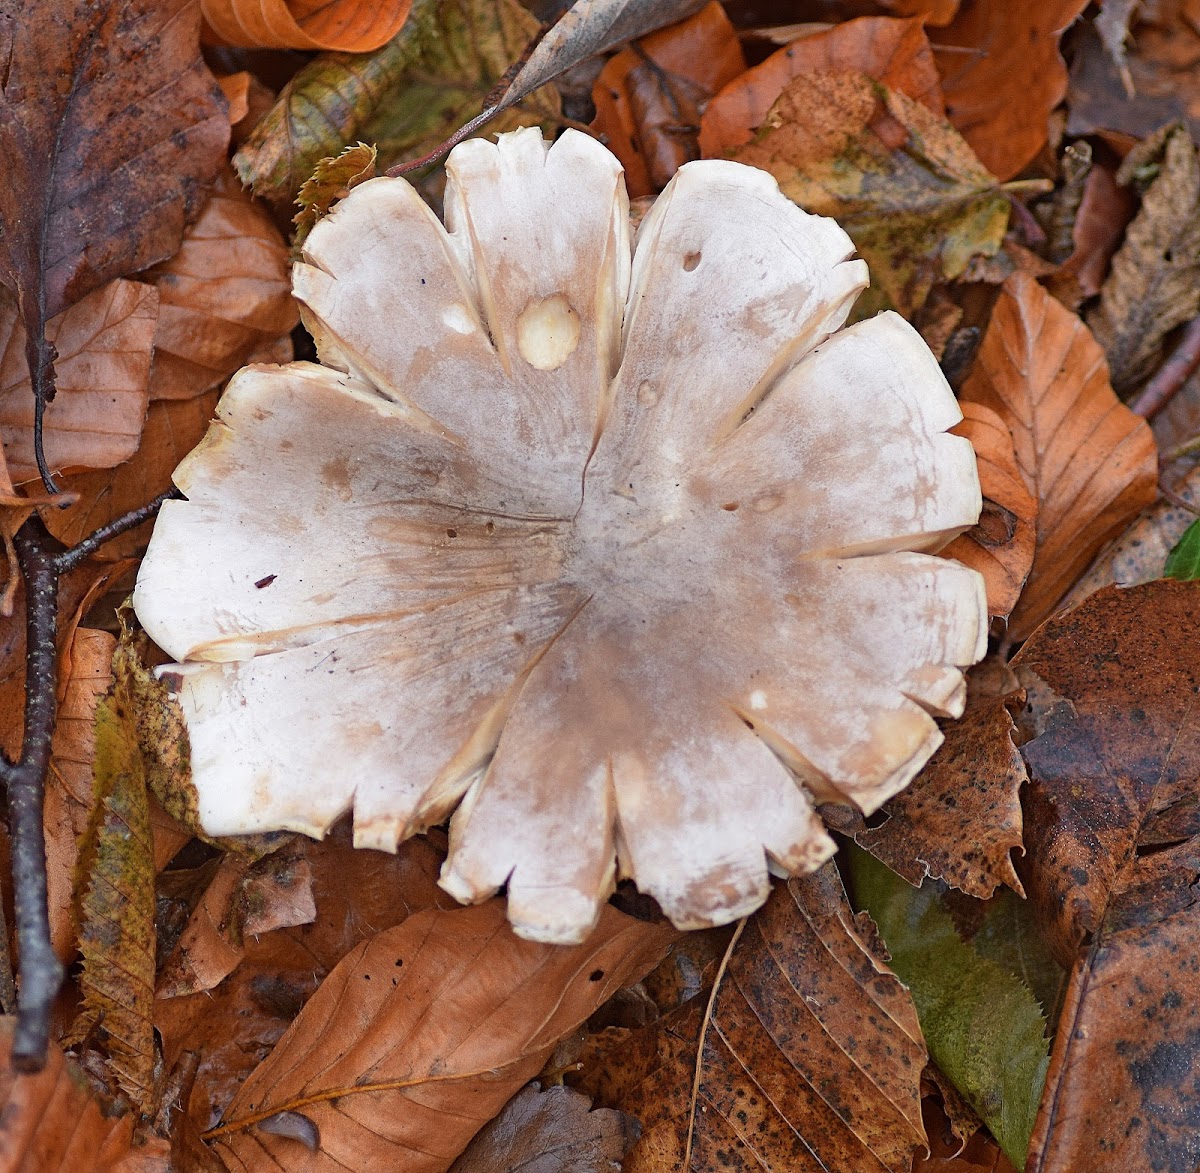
(624, 558)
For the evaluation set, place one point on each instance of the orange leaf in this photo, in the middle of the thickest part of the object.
(347, 26)
(894, 52)
(648, 96)
(1090, 462)
(103, 365)
(224, 294)
(53, 1123)
(1001, 545)
(1002, 75)
(933, 12)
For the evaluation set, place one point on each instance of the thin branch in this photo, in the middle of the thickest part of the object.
(1171, 376)
(86, 547)
(40, 356)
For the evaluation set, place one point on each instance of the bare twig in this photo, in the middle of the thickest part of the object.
(43, 560)
(1171, 376)
(40, 356)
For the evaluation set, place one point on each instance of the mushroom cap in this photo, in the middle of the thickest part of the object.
(624, 560)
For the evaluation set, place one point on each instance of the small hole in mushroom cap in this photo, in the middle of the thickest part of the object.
(730, 506)
(548, 332)
(452, 533)
(690, 261)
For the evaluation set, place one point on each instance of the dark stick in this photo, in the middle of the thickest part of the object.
(1171, 376)
(40, 356)
(43, 560)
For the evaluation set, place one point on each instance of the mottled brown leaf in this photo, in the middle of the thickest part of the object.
(1002, 543)
(421, 1034)
(894, 52)
(53, 1122)
(1154, 285)
(1113, 863)
(550, 1131)
(1090, 462)
(1002, 75)
(649, 97)
(806, 1055)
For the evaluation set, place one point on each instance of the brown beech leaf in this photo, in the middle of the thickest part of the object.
(421, 1034)
(234, 1026)
(171, 431)
(110, 126)
(549, 1131)
(103, 345)
(961, 817)
(1001, 544)
(806, 1055)
(225, 294)
(1154, 285)
(649, 97)
(1002, 75)
(1113, 868)
(1090, 462)
(348, 26)
(54, 1122)
(935, 12)
(86, 675)
(894, 52)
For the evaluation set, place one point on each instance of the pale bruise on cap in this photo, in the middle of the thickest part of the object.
(624, 560)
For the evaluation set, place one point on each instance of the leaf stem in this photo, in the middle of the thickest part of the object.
(1171, 376)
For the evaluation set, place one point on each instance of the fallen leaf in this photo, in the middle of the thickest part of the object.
(54, 1122)
(1002, 75)
(894, 52)
(171, 431)
(961, 817)
(934, 12)
(234, 1026)
(401, 98)
(983, 1026)
(332, 179)
(805, 1055)
(649, 96)
(1112, 868)
(947, 1154)
(116, 905)
(1183, 562)
(1154, 285)
(1001, 544)
(86, 676)
(350, 26)
(1090, 462)
(421, 1034)
(226, 293)
(103, 348)
(110, 126)
(900, 181)
(549, 1131)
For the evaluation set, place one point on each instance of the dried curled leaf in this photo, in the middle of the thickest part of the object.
(467, 1013)
(332, 179)
(894, 52)
(1090, 462)
(913, 198)
(805, 1054)
(491, 603)
(103, 364)
(349, 26)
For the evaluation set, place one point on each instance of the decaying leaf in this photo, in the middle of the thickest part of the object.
(331, 180)
(1090, 462)
(350, 26)
(983, 1026)
(1155, 280)
(116, 905)
(421, 1034)
(1002, 75)
(935, 12)
(103, 346)
(223, 296)
(894, 52)
(1001, 544)
(70, 797)
(477, 602)
(550, 1131)
(961, 817)
(404, 99)
(913, 198)
(649, 96)
(54, 1122)
(1112, 865)
(805, 1055)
